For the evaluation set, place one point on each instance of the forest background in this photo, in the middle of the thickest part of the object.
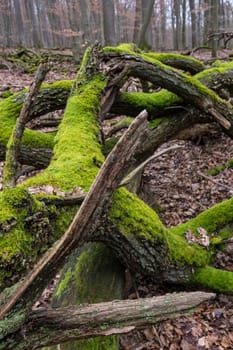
(169, 24)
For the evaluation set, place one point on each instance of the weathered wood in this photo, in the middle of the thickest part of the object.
(14, 143)
(190, 89)
(54, 326)
(91, 211)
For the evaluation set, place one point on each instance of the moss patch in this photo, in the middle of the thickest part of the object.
(152, 102)
(95, 276)
(183, 253)
(20, 240)
(171, 58)
(77, 149)
(215, 279)
(212, 220)
(215, 171)
(134, 218)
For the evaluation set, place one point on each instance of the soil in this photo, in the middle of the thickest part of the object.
(178, 185)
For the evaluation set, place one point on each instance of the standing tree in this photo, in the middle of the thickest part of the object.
(214, 27)
(109, 32)
(193, 22)
(147, 11)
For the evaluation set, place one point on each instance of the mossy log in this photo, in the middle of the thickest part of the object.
(130, 228)
(48, 326)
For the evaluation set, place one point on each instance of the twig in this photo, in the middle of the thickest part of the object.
(141, 166)
(214, 181)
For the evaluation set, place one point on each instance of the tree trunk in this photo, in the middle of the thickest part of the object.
(147, 12)
(214, 27)
(103, 319)
(109, 22)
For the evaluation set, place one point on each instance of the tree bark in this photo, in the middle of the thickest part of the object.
(53, 326)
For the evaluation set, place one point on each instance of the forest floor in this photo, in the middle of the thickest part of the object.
(181, 184)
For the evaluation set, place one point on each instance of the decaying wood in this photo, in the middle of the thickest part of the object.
(123, 66)
(13, 147)
(89, 216)
(53, 326)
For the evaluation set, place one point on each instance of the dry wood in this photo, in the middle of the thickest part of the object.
(53, 326)
(214, 181)
(89, 216)
(13, 147)
(141, 166)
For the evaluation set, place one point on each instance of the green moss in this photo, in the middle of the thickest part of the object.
(123, 48)
(64, 282)
(98, 275)
(77, 149)
(20, 242)
(215, 171)
(63, 219)
(95, 276)
(152, 102)
(134, 218)
(154, 123)
(214, 279)
(212, 220)
(97, 343)
(9, 111)
(230, 163)
(169, 58)
(61, 84)
(6, 93)
(201, 88)
(219, 168)
(125, 122)
(214, 71)
(226, 232)
(108, 145)
(183, 253)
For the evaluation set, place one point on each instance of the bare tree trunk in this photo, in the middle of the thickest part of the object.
(146, 18)
(214, 21)
(163, 24)
(109, 22)
(193, 23)
(137, 21)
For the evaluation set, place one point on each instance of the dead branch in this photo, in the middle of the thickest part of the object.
(215, 182)
(88, 218)
(140, 167)
(54, 326)
(13, 147)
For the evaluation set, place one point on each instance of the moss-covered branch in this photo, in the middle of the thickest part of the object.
(132, 229)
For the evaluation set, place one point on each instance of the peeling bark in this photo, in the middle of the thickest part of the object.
(46, 327)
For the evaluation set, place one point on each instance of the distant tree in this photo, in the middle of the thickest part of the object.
(193, 22)
(109, 33)
(147, 10)
(214, 26)
(137, 20)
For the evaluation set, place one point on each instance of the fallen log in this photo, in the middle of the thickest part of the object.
(53, 326)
